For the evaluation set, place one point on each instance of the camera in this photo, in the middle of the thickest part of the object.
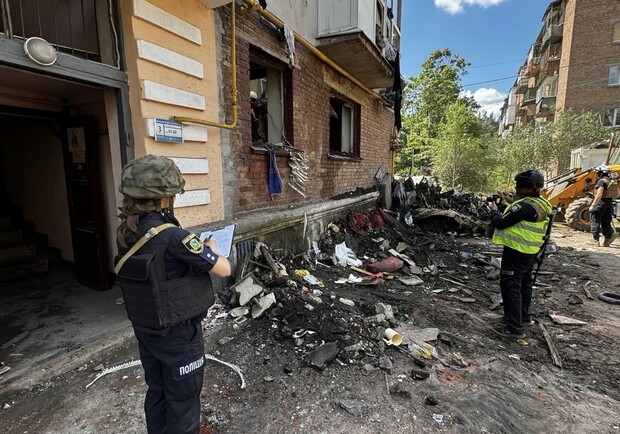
(496, 199)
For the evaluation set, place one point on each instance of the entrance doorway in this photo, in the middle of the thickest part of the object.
(59, 165)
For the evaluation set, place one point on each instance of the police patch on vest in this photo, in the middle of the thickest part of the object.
(191, 367)
(193, 244)
(516, 207)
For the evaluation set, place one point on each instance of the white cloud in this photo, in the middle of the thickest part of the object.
(490, 100)
(457, 6)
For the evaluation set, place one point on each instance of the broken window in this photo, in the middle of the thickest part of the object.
(268, 98)
(614, 75)
(343, 127)
(612, 117)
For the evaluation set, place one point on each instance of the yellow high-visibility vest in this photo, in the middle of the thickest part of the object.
(526, 237)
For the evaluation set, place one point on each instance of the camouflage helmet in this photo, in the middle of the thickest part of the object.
(151, 177)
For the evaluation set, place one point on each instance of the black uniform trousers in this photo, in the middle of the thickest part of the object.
(601, 217)
(516, 285)
(173, 370)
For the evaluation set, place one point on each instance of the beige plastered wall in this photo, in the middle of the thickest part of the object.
(140, 70)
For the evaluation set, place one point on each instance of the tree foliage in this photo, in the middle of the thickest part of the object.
(427, 96)
(460, 154)
(441, 129)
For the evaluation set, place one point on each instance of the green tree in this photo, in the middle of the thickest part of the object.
(546, 147)
(427, 96)
(461, 153)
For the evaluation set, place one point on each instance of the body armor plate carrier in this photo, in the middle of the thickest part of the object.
(154, 303)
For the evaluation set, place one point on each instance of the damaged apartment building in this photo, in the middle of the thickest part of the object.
(572, 64)
(274, 111)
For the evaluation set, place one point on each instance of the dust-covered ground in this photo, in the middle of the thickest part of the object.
(480, 383)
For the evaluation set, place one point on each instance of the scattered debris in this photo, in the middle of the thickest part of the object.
(431, 400)
(419, 374)
(385, 363)
(438, 418)
(574, 299)
(401, 390)
(353, 407)
(555, 356)
(565, 320)
(411, 280)
(323, 355)
(609, 297)
(20, 337)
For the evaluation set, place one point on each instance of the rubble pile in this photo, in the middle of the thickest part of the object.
(420, 201)
(341, 300)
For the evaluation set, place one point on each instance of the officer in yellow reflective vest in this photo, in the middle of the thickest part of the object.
(521, 230)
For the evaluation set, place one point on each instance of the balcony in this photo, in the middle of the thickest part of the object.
(79, 28)
(533, 67)
(553, 34)
(349, 35)
(529, 97)
(523, 81)
(546, 107)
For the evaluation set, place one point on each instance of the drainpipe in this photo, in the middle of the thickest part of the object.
(233, 61)
(279, 24)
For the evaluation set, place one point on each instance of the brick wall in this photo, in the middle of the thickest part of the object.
(587, 52)
(312, 84)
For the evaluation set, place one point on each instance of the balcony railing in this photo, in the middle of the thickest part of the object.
(82, 28)
(553, 34)
(529, 97)
(522, 83)
(546, 106)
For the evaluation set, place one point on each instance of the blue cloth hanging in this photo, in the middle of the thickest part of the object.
(275, 181)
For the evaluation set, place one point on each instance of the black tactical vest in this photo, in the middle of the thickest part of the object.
(153, 303)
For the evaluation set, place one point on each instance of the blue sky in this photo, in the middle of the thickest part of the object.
(484, 32)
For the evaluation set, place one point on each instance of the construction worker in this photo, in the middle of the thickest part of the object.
(165, 298)
(601, 210)
(521, 230)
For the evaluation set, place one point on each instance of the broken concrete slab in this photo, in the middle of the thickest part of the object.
(323, 355)
(353, 407)
(418, 335)
(247, 289)
(385, 363)
(262, 304)
(386, 310)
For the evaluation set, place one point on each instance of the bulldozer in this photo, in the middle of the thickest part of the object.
(572, 193)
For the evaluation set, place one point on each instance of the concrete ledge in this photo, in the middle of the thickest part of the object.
(284, 228)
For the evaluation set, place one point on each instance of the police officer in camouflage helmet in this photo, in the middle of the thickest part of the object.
(167, 290)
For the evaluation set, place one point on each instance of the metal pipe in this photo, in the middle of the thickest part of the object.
(233, 61)
(279, 24)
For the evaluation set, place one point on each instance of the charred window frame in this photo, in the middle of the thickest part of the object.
(272, 117)
(344, 127)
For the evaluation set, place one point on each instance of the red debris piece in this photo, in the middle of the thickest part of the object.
(386, 266)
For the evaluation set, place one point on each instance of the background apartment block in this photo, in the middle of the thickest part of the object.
(574, 63)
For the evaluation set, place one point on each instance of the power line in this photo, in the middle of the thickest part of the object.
(491, 81)
(599, 62)
(495, 64)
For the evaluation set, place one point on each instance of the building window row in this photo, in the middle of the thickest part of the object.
(271, 108)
